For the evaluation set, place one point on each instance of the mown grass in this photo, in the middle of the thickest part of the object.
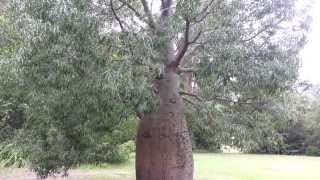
(235, 167)
(210, 166)
(256, 167)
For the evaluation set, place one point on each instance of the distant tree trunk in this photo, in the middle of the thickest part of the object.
(164, 149)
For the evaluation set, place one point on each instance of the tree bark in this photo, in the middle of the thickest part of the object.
(164, 148)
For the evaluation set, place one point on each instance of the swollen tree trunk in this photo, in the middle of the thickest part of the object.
(164, 149)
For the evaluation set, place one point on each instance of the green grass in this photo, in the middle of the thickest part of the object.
(237, 167)
(256, 167)
(221, 167)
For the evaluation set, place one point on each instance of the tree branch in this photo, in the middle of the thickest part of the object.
(116, 16)
(165, 7)
(120, 7)
(195, 38)
(132, 9)
(221, 99)
(187, 70)
(191, 53)
(189, 101)
(146, 9)
(203, 13)
(185, 44)
(137, 14)
(182, 51)
(263, 30)
(191, 94)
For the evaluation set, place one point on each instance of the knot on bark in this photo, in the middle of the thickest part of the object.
(173, 100)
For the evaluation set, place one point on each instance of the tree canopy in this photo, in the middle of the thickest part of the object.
(80, 72)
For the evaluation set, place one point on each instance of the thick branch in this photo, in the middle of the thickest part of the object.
(185, 45)
(146, 9)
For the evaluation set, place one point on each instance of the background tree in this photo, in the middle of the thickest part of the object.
(301, 135)
(12, 96)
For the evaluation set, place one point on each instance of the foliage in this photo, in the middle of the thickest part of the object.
(12, 98)
(65, 90)
(12, 155)
(84, 69)
(312, 151)
(299, 129)
(242, 83)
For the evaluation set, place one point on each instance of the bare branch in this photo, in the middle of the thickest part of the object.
(116, 16)
(203, 13)
(185, 44)
(191, 94)
(128, 5)
(182, 51)
(204, 16)
(195, 38)
(205, 9)
(120, 7)
(146, 9)
(165, 7)
(187, 70)
(216, 98)
(189, 101)
(210, 115)
(264, 29)
(191, 53)
(137, 13)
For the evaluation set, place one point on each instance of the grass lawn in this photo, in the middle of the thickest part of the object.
(256, 167)
(209, 167)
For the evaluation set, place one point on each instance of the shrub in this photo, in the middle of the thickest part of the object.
(312, 151)
(107, 152)
(12, 155)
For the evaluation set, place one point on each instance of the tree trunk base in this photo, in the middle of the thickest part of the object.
(164, 148)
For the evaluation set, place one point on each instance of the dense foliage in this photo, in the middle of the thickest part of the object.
(58, 89)
(302, 135)
(250, 61)
(74, 77)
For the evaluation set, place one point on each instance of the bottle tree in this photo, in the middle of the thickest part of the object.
(149, 58)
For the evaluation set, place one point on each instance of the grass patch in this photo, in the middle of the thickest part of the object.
(255, 167)
(210, 166)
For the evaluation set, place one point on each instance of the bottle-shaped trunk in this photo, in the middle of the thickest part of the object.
(164, 149)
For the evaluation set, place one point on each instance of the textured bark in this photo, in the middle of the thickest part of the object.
(164, 149)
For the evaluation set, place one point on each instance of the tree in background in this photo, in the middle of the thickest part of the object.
(71, 112)
(301, 135)
(88, 66)
(12, 96)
